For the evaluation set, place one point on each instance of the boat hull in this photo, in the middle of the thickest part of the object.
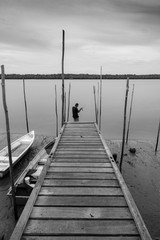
(22, 190)
(18, 148)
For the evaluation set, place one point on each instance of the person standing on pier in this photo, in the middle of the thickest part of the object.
(75, 112)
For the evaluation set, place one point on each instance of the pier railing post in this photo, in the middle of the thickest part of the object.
(130, 112)
(69, 93)
(157, 137)
(8, 139)
(95, 103)
(100, 100)
(124, 124)
(25, 103)
(63, 94)
(56, 111)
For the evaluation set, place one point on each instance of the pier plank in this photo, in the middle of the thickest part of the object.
(80, 169)
(83, 227)
(80, 201)
(77, 175)
(73, 164)
(87, 191)
(82, 160)
(81, 237)
(80, 213)
(80, 182)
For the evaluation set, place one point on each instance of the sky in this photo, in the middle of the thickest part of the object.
(122, 36)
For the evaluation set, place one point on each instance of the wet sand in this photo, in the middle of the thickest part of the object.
(141, 172)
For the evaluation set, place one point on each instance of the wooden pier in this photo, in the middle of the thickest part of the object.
(80, 194)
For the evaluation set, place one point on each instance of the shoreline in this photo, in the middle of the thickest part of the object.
(140, 172)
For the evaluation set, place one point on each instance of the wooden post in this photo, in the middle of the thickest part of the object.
(157, 137)
(8, 139)
(130, 112)
(69, 93)
(63, 49)
(25, 103)
(124, 124)
(95, 103)
(100, 100)
(64, 107)
(56, 111)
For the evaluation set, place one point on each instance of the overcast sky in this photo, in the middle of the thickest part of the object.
(122, 36)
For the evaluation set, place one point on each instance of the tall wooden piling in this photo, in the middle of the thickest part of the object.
(56, 111)
(157, 141)
(124, 124)
(130, 113)
(65, 102)
(63, 94)
(25, 103)
(100, 100)
(68, 109)
(8, 138)
(95, 103)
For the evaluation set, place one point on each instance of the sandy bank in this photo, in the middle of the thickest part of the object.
(141, 172)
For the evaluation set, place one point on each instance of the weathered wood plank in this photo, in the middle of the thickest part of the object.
(72, 175)
(100, 191)
(80, 237)
(80, 169)
(81, 140)
(80, 201)
(83, 227)
(80, 133)
(79, 155)
(80, 213)
(78, 151)
(65, 137)
(74, 164)
(80, 182)
(82, 160)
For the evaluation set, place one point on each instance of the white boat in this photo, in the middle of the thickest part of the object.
(18, 148)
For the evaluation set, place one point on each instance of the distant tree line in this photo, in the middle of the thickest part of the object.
(81, 76)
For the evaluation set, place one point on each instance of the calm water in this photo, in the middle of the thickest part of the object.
(41, 106)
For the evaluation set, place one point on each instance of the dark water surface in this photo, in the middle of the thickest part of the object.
(41, 106)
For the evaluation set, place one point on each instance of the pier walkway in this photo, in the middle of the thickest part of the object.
(80, 194)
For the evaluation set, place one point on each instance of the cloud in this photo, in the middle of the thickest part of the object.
(94, 29)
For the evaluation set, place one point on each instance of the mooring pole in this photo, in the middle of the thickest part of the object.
(95, 103)
(25, 103)
(100, 100)
(65, 106)
(56, 111)
(157, 137)
(8, 139)
(63, 94)
(69, 93)
(130, 113)
(124, 124)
